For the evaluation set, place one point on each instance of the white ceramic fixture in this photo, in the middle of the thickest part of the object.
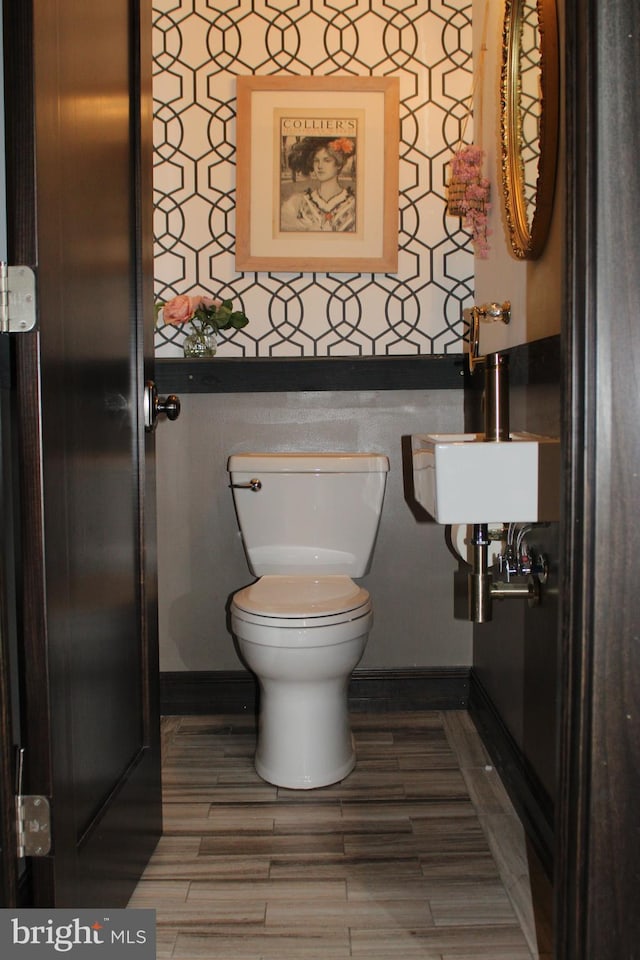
(460, 478)
(308, 523)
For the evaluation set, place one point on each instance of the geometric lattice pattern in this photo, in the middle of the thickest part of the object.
(200, 48)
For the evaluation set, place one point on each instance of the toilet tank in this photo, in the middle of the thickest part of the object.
(314, 512)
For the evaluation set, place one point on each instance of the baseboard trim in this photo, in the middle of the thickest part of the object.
(418, 688)
(530, 798)
(379, 691)
(191, 692)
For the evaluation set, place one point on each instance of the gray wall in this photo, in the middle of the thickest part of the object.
(201, 560)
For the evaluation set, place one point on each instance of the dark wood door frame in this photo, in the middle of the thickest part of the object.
(598, 821)
(135, 814)
(8, 644)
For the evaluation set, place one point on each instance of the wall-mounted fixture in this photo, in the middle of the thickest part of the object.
(462, 479)
(496, 365)
(470, 478)
(487, 313)
(459, 478)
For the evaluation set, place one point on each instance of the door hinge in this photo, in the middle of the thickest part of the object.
(17, 299)
(33, 818)
(33, 826)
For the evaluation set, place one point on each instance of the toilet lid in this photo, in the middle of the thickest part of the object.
(303, 598)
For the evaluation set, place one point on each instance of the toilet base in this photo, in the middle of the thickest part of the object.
(276, 777)
(304, 735)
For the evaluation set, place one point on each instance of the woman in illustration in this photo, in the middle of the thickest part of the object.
(328, 206)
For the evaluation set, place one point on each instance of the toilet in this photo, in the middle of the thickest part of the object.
(308, 523)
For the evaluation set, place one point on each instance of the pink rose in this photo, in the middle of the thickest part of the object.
(180, 309)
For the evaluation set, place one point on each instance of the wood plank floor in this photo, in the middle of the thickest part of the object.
(417, 854)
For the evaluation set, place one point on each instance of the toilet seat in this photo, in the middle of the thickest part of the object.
(301, 601)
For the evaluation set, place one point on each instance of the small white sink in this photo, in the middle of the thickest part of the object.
(460, 478)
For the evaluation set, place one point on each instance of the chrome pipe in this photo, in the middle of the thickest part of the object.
(517, 591)
(482, 590)
(479, 580)
(496, 398)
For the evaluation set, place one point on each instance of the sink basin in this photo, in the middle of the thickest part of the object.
(460, 478)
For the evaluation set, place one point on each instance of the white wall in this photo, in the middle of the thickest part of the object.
(533, 287)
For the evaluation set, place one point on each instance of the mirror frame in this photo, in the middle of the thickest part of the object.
(528, 240)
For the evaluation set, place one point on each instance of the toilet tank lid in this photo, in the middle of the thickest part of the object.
(308, 463)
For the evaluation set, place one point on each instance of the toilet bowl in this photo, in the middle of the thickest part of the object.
(303, 659)
(308, 523)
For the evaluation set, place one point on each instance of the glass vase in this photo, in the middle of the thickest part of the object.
(200, 344)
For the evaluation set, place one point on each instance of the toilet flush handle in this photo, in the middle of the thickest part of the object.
(254, 485)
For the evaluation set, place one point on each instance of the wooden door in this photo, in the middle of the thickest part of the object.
(598, 832)
(79, 208)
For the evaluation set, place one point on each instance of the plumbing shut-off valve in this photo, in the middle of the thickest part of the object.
(521, 574)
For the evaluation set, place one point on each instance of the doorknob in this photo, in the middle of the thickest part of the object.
(155, 405)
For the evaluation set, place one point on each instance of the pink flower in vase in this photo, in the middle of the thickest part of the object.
(182, 309)
(206, 315)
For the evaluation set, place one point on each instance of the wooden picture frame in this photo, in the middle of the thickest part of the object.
(317, 174)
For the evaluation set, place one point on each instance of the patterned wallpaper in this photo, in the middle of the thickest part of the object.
(200, 47)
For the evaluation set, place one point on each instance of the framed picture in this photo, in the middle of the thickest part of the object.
(317, 174)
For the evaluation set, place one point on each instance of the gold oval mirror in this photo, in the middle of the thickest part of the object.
(529, 100)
